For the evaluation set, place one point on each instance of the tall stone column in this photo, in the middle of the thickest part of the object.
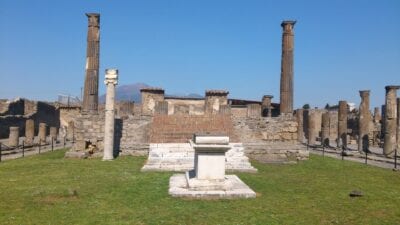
(342, 125)
(111, 81)
(325, 129)
(42, 132)
(300, 122)
(389, 144)
(91, 88)
(286, 93)
(266, 105)
(29, 131)
(363, 122)
(13, 138)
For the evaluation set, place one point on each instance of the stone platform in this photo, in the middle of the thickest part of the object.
(179, 157)
(178, 187)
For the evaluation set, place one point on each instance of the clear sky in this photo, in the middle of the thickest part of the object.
(341, 47)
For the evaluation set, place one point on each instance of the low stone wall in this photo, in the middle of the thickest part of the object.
(130, 138)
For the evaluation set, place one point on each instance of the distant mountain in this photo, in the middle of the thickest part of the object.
(131, 92)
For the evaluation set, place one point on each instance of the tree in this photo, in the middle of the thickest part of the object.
(327, 106)
(306, 106)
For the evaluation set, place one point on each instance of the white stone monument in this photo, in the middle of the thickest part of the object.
(111, 81)
(208, 179)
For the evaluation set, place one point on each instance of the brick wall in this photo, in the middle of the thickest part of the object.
(180, 128)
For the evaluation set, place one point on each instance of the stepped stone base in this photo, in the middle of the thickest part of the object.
(179, 187)
(180, 157)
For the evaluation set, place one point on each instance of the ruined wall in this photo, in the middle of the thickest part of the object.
(14, 107)
(270, 140)
(239, 111)
(180, 106)
(40, 112)
(68, 114)
(131, 134)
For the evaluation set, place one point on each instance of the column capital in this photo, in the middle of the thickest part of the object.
(364, 93)
(94, 19)
(391, 87)
(111, 76)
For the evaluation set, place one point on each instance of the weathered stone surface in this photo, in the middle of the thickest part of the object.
(266, 105)
(150, 96)
(53, 133)
(300, 122)
(312, 127)
(42, 132)
(13, 139)
(364, 122)
(178, 188)
(161, 108)
(111, 80)
(253, 110)
(342, 124)
(390, 135)
(214, 99)
(91, 86)
(286, 91)
(76, 154)
(29, 131)
(325, 129)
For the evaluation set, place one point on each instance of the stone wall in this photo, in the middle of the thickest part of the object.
(194, 106)
(68, 114)
(40, 112)
(130, 138)
(270, 140)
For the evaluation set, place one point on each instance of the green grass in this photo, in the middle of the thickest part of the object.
(40, 190)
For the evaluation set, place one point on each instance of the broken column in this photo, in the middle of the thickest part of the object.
(53, 133)
(312, 132)
(29, 131)
(286, 91)
(42, 133)
(150, 96)
(398, 124)
(300, 122)
(214, 99)
(363, 122)
(325, 129)
(13, 138)
(389, 144)
(91, 88)
(266, 105)
(111, 81)
(71, 131)
(342, 125)
(377, 115)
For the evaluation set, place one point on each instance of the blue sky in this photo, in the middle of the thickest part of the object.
(190, 46)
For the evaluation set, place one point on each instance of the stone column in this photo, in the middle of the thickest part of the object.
(286, 92)
(266, 105)
(53, 133)
(389, 144)
(312, 133)
(363, 122)
(300, 122)
(29, 131)
(325, 129)
(91, 88)
(342, 125)
(111, 81)
(377, 115)
(42, 132)
(13, 138)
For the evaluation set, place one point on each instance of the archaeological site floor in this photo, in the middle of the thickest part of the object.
(49, 189)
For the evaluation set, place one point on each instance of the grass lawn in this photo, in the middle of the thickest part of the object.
(48, 189)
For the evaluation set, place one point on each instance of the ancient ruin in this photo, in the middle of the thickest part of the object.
(286, 94)
(390, 121)
(111, 81)
(342, 125)
(91, 88)
(364, 122)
